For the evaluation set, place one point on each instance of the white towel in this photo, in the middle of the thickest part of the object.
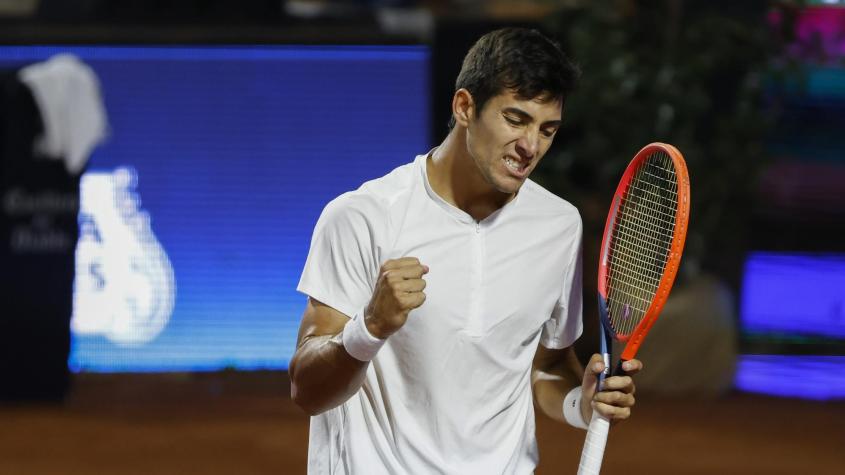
(67, 93)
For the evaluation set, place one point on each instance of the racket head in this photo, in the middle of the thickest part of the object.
(642, 243)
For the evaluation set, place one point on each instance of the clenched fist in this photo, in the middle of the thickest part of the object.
(399, 290)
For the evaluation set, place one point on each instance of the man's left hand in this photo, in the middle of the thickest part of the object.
(617, 396)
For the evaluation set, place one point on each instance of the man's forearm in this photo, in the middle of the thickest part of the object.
(323, 374)
(550, 393)
(555, 373)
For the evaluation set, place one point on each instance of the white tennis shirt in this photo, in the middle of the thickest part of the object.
(450, 392)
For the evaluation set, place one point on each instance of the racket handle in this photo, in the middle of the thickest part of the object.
(618, 371)
(594, 444)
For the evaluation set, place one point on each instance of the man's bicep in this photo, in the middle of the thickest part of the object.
(547, 358)
(318, 320)
(561, 362)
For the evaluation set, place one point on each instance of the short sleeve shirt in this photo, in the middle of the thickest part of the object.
(449, 392)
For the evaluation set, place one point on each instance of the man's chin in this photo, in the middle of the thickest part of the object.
(509, 186)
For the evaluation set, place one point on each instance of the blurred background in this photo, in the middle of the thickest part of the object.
(164, 163)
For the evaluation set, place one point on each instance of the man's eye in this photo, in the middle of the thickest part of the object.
(513, 121)
(549, 132)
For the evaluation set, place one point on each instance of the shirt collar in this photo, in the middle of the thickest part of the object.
(453, 210)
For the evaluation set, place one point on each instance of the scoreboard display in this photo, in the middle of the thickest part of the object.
(196, 213)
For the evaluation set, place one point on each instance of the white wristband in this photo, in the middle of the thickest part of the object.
(358, 341)
(572, 409)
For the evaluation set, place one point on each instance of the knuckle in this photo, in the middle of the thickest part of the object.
(388, 264)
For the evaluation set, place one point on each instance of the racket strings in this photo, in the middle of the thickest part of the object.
(638, 263)
(642, 237)
(636, 274)
(643, 276)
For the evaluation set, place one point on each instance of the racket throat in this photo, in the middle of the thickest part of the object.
(606, 338)
(606, 372)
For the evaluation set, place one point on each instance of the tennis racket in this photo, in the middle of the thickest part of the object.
(640, 252)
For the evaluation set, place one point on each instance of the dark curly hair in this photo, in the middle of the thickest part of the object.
(518, 59)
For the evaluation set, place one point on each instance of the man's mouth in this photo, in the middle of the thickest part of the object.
(518, 167)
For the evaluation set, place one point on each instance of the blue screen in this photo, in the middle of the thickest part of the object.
(799, 294)
(793, 297)
(197, 211)
(805, 377)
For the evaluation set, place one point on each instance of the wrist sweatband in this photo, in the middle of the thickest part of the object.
(572, 409)
(358, 341)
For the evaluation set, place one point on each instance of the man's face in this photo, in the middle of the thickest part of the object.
(510, 137)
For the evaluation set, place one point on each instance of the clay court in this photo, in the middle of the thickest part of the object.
(244, 423)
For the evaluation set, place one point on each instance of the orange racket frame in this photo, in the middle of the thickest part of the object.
(635, 338)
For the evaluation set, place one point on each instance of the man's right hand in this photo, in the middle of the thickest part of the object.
(399, 290)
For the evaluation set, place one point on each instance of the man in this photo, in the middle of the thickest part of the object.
(443, 292)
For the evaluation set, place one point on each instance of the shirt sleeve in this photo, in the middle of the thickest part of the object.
(342, 264)
(566, 323)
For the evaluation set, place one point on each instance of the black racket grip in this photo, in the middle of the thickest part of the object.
(618, 371)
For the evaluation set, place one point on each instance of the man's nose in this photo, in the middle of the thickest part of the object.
(528, 145)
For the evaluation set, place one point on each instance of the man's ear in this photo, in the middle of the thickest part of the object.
(463, 107)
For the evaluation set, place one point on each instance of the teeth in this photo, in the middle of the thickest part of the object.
(512, 164)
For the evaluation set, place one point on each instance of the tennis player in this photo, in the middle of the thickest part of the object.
(445, 294)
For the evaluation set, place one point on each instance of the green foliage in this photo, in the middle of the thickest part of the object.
(698, 77)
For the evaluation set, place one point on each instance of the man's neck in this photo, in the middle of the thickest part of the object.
(454, 176)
